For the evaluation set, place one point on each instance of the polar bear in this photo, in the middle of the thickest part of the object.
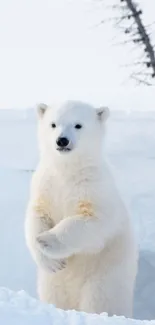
(77, 227)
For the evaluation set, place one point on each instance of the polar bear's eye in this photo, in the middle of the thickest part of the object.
(78, 126)
(53, 125)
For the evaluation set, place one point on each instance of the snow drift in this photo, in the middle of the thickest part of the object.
(20, 309)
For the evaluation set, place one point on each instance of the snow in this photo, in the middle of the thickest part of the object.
(130, 146)
(19, 308)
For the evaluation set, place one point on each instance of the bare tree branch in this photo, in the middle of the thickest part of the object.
(144, 36)
(129, 20)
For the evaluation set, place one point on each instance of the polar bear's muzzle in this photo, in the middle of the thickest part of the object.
(63, 144)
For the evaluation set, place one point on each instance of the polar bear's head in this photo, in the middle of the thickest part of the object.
(71, 130)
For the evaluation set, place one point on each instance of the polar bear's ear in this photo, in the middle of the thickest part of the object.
(41, 109)
(103, 113)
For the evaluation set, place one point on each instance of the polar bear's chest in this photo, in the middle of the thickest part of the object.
(66, 198)
(72, 198)
(66, 201)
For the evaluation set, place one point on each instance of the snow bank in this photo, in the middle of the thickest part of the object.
(20, 309)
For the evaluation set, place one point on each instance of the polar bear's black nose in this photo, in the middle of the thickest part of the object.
(62, 142)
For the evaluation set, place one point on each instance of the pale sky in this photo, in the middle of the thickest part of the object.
(50, 49)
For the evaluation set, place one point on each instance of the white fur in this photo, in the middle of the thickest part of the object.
(85, 262)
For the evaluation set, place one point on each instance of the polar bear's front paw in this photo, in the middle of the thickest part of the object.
(51, 265)
(50, 246)
(57, 265)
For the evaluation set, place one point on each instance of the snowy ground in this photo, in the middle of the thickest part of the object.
(130, 147)
(20, 309)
